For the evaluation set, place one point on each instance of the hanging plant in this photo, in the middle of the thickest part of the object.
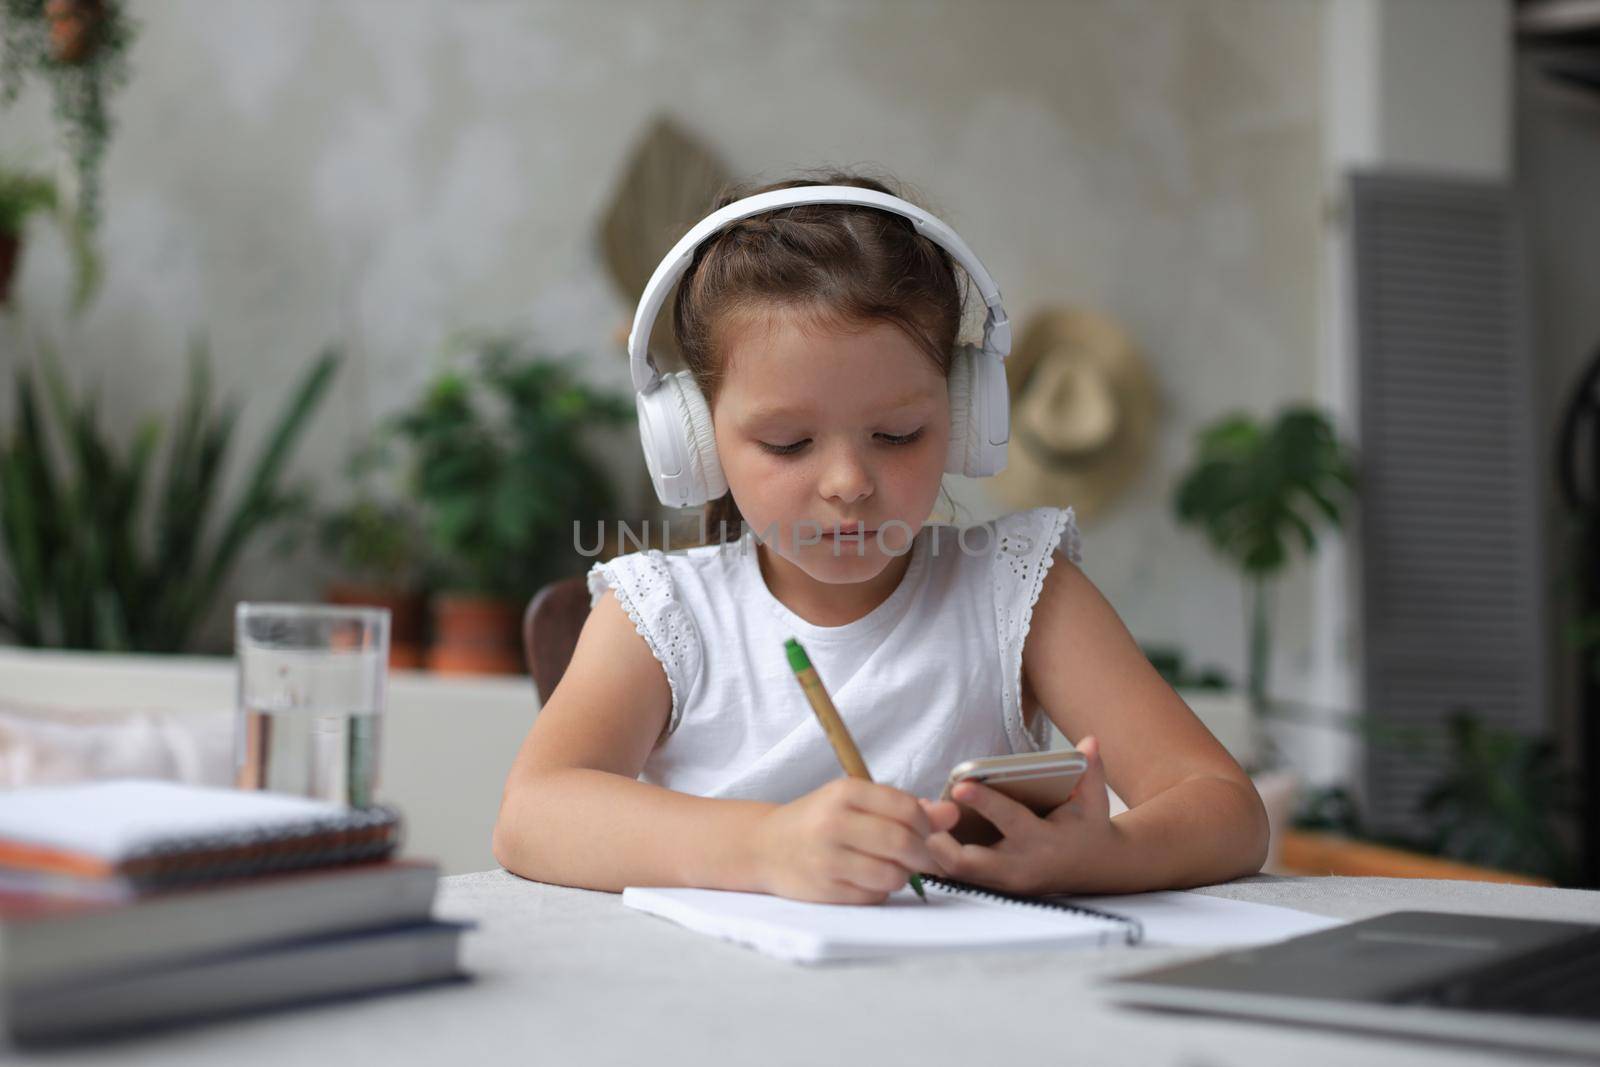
(80, 48)
(23, 194)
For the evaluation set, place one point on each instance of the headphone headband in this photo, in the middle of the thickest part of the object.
(646, 376)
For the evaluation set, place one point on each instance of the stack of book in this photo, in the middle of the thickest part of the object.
(134, 904)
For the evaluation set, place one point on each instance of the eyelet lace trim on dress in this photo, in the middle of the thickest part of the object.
(1027, 543)
(642, 584)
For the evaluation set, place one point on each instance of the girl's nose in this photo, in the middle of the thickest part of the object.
(845, 477)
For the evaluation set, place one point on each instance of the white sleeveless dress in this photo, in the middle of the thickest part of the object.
(928, 678)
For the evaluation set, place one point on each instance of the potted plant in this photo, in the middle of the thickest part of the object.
(1254, 489)
(24, 194)
(102, 556)
(1500, 807)
(377, 543)
(80, 48)
(500, 470)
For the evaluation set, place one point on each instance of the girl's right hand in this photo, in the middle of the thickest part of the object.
(848, 842)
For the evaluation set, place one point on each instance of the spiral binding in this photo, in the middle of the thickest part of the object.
(1134, 928)
(354, 836)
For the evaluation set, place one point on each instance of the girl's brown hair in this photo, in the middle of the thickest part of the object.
(842, 266)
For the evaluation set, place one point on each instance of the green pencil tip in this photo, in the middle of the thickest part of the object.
(797, 655)
(916, 883)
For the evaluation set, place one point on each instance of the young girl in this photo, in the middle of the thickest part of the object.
(679, 749)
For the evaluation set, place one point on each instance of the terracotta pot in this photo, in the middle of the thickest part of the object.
(74, 28)
(475, 635)
(10, 252)
(407, 617)
(1319, 854)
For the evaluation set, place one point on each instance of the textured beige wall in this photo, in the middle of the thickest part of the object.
(294, 172)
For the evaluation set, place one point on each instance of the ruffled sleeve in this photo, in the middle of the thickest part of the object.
(1026, 543)
(642, 583)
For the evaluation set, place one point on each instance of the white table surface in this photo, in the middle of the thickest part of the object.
(567, 976)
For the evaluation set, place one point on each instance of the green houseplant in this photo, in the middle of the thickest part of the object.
(99, 554)
(1500, 799)
(24, 194)
(500, 469)
(377, 544)
(79, 47)
(21, 195)
(1254, 489)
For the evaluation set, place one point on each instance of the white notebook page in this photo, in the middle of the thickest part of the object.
(796, 930)
(1175, 918)
(805, 932)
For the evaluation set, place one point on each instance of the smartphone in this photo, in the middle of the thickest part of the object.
(1041, 780)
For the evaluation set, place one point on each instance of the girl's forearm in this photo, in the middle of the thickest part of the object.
(597, 830)
(1199, 832)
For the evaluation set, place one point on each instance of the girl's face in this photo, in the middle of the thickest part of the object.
(826, 437)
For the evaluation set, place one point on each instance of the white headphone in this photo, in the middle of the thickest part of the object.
(680, 449)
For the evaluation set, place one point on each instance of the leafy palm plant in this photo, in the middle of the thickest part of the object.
(1255, 490)
(99, 555)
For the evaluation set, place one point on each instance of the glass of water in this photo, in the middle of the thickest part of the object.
(312, 685)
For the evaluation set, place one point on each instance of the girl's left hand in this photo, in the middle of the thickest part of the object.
(1055, 854)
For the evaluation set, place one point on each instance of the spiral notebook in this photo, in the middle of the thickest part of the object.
(956, 916)
(132, 836)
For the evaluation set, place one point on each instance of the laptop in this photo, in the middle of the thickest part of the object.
(1520, 982)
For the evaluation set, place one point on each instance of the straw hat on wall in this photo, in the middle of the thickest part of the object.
(1083, 413)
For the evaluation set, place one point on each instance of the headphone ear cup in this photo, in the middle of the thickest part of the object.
(664, 448)
(679, 445)
(961, 434)
(991, 414)
(980, 415)
(701, 437)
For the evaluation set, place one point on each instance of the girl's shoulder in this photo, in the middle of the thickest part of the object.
(664, 588)
(1014, 554)
(1003, 562)
(1015, 541)
(655, 571)
(1027, 543)
(1036, 534)
(656, 589)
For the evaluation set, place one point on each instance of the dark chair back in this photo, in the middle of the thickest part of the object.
(550, 629)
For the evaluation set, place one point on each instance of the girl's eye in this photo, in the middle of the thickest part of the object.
(791, 449)
(902, 438)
